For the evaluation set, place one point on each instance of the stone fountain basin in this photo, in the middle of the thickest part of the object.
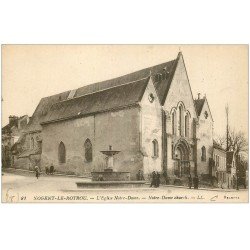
(110, 184)
(110, 175)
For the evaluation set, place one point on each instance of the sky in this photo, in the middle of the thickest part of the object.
(30, 72)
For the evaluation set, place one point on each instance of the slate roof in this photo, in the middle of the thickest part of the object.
(198, 103)
(104, 100)
(167, 69)
(230, 155)
(161, 86)
(42, 110)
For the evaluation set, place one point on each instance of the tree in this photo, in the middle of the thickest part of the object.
(221, 141)
(237, 142)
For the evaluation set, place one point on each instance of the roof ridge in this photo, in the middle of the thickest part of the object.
(130, 73)
(100, 82)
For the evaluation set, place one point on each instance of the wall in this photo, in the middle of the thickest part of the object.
(23, 163)
(26, 143)
(179, 94)
(119, 129)
(222, 159)
(151, 129)
(204, 138)
(29, 161)
(220, 169)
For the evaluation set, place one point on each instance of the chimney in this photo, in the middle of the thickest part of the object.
(12, 118)
(199, 94)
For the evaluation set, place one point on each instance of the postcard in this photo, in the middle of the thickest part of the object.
(124, 123)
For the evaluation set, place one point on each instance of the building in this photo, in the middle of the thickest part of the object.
(220, 167)
(11, 134)
(231, 168)
(149, 115)
(204, 137)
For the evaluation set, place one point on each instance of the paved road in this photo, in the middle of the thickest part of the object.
(16, 188)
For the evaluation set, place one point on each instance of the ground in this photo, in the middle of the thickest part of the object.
(18, 188)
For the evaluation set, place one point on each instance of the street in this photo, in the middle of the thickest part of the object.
(17, 188)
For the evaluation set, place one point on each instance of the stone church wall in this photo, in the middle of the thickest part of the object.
(151, 130)
(119, 129)
(179, 94)
(204, 138)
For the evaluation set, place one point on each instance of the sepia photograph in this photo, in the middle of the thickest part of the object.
(124, 123)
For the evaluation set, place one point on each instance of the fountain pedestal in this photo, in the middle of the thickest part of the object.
(109, 174)
(108, 178)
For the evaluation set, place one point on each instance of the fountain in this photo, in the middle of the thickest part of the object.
(109, 177)
(109, 174)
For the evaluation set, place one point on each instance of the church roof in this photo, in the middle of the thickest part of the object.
(42, 110)
(162, 75)
(105, 100)
(166, 68)
(198, 103)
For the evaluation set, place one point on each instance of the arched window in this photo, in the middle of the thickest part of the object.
(88, 150)
(187, 125)
(155, 148)
(61, 153)
(203, 153)
(173, 123)
(181, 120)
(32, 143)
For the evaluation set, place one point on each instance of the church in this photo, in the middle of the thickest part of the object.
(150, 116)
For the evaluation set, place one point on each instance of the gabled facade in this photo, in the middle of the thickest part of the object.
(204, 136)
(180, 127)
